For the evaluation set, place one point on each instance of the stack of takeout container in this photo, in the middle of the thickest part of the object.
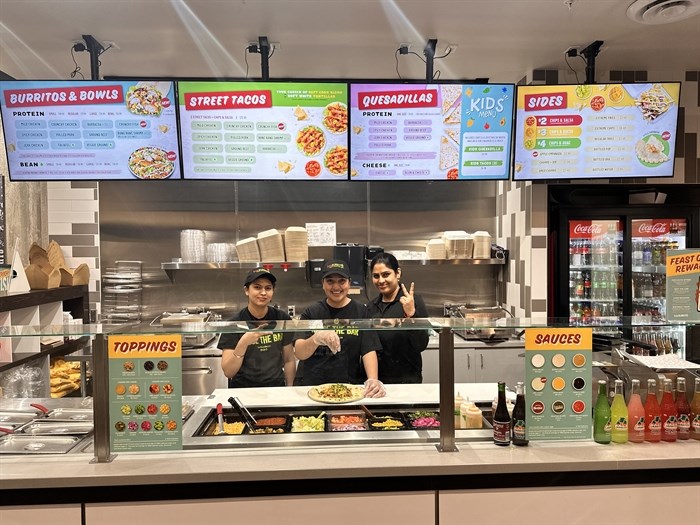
(458, 244)
(271, 246)
(435, 249)
(296, 244)
(248, 250)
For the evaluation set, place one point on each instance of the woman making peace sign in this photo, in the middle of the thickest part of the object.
(400, 357)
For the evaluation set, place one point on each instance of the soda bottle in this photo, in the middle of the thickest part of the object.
(669, 414)
(518, 425)
(683, 409)
(601, 415)
(586, 285)
(637, 252)
(652, 414)
(501, 418)
(635, 410)
(695, 412)
(579, 285)
(646, 253)
(618, 415)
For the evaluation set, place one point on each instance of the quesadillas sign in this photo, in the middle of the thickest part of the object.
(430, 132)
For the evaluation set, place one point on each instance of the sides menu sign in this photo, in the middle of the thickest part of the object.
(601, 130)
(145, 392)
(264, 130)
(558, 376)
(683, 285)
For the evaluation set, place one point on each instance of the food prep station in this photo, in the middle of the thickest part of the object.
(394, 414)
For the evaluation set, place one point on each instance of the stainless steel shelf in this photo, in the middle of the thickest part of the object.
(289, 265)
(229, 265)
(430, 262)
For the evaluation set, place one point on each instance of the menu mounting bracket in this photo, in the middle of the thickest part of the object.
(429, 52)
(589, 53)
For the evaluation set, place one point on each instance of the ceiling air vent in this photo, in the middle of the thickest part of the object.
(662, 11)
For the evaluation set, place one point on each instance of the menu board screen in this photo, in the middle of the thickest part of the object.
(596, 131)
(90, 130)
(431, 131)
(264, 130)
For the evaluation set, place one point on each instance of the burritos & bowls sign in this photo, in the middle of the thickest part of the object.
(90, 130)
(596, 131)
(264, 130)
(431, 132)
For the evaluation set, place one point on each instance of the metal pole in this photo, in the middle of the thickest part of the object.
(100, 406)
(95, 49)
(447, 390)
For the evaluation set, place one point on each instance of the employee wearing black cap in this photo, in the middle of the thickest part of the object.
(338, 354)
(260, 357)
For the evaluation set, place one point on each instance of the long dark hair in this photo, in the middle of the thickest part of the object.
(384, 258)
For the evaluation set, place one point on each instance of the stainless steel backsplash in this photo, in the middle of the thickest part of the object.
(142, 220)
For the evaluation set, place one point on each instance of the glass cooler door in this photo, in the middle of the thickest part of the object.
(651, 239)
(595, 273)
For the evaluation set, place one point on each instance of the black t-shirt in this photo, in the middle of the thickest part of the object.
(400, 358)
(345, 366)
(263, 362)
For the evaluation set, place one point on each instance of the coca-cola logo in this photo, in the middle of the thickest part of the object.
(655, 227)
(588, 228)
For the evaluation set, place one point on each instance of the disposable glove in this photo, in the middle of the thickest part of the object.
(374, 388)
(327, 338)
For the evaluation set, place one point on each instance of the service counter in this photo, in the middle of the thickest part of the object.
(354, 478)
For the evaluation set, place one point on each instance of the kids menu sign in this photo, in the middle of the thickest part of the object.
(90, 130)
(558, 383)
(145, 392)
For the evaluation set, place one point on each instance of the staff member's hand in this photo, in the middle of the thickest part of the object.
(251, 337)
(327, 338)
(407, 301)
(374, 388)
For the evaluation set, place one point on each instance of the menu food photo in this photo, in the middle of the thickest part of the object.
(264, 130)
(431, 131)
(596, 131)
(90, 130)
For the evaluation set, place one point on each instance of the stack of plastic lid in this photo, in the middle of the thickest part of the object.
(193, 246)
(435, 249)
(271, 246)
(458, 244)
(248, 250)
(221, 252)
(296, 244)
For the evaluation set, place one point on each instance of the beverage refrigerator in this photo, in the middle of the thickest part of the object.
(607, 262)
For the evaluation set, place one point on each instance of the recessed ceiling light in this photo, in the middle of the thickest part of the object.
(662, 11)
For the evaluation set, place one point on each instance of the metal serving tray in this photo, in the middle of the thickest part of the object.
(23, 444)
(48, 428)
(15, 417)
(71, 414)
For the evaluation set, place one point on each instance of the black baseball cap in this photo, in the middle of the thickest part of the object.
(336, 266)
(259, 273)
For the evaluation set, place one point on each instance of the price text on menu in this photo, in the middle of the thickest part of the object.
(431, 132)
(145, 392)
(264, 131)
(99, 130)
